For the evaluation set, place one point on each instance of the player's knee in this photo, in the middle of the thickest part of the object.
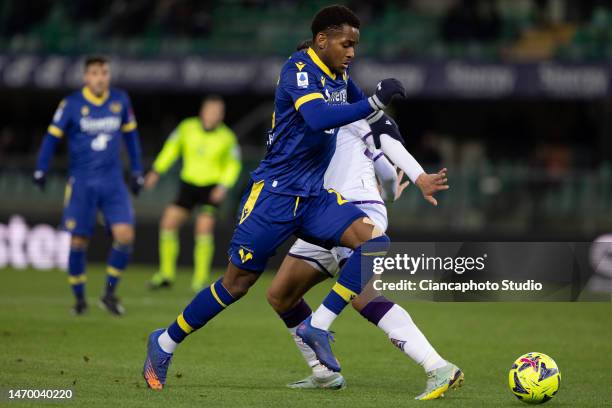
(376, 231)
(238, 286)
(124, 236)
(78, 242)
(278, 302)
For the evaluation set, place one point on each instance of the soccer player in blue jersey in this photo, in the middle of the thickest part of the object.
(315, 95)
(95, 121)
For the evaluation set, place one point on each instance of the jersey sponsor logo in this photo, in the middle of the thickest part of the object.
(107, 124)
(302, 79)
(245, 254)
(300, 65)
(336, 97)
(85, 111)
(323, 81)
(100, 142)
(115, 107)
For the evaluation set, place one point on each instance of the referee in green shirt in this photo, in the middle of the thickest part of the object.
(211, 165)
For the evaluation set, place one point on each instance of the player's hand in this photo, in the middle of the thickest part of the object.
(40, 179)
(136, 183)
(218, 194)
(431, 184)
(151, 180)
(386, 90)
(383, 124)
(399, 186)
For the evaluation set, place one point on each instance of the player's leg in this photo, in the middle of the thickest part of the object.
(295, 277)
(333, 221)
(79, 219)
(77, 260)
(367, 241)
(114, 203)
(117, 261)
(173, 218)
(265, 221)
(207, 304)
(397, 324)
(204, 247)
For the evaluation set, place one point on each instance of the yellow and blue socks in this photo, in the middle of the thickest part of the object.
(202, 257)
(203, 308)
(403, 333)
(77, 259)
(168, 252)
(351, 281)
(118, 260)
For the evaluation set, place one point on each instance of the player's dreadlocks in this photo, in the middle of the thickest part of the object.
(333, 18)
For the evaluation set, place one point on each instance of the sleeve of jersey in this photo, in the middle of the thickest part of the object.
(353, 92)
(60, 121)
(386, 174)
(55, 132)
(233, 165)
(131, 137)
(169, 153)
(303, 88)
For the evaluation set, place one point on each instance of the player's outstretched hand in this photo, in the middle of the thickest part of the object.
(40, 179)
(386, 90)
(383, 124)
(399, 186)
(431, 184)
(136, 183)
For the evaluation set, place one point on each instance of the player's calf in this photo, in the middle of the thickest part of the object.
(211, 301)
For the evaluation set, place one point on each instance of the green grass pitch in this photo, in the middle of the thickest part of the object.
(245, 357)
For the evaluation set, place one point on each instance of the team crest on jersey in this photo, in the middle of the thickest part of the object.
(85, 111)
(115, 107)
(245, 254)
(302, 80)
(70, 224)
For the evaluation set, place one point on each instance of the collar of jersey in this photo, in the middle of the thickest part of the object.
(315, 58)
(93, 99)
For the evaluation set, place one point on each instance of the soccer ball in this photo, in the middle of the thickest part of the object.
(534, 378)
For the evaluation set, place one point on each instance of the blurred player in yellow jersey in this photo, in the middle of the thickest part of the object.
(211, 165)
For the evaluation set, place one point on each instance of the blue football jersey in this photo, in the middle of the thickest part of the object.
(94, 127)
(297, 156)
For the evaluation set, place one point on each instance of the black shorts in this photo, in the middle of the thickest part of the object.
(190, 196)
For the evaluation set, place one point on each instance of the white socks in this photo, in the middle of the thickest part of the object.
(166, 343)
(402, 331)
(322, 318)
(318, 369)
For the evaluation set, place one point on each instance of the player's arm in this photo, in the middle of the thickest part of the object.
(386, 174)
(390, 141)
(319, 115)
(168, 155)
(129, 128)
(55, 132)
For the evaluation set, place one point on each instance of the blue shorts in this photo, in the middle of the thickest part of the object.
(267, 219)
(83, 199)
